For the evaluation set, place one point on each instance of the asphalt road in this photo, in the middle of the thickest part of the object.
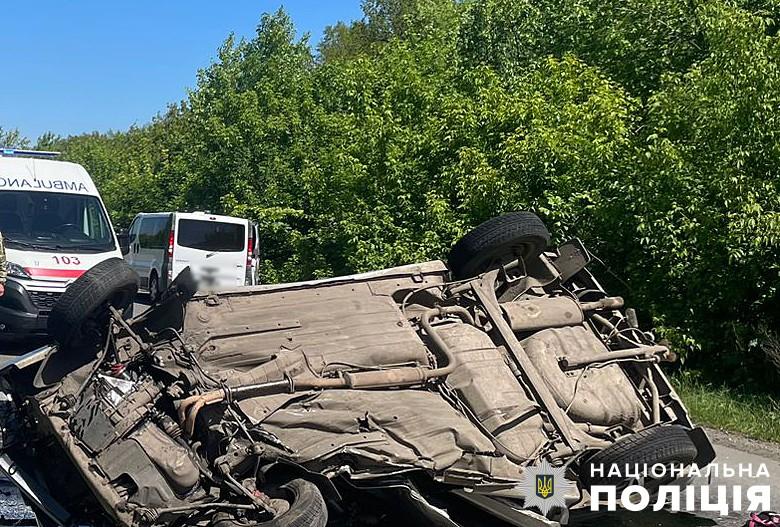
(731, 449)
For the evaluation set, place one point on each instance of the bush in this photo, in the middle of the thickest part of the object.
(649, 129)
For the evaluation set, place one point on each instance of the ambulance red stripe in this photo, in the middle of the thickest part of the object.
(38, 272)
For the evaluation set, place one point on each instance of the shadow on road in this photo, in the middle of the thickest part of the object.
(644, 519)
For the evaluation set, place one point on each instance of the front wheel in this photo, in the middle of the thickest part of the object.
(299, 502)
(81, 314)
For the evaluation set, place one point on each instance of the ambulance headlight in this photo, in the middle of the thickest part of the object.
(16, 270)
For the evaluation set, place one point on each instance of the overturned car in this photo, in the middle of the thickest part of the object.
(423, 391)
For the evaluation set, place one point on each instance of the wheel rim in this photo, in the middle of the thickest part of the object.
(500, 256)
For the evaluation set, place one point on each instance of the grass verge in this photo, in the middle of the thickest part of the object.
(752, 415)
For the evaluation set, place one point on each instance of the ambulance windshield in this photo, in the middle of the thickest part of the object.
(49, 221)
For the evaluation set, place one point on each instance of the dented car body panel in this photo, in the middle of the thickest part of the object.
(401, 378)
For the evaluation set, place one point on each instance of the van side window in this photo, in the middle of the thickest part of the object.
(133, 230)
(153, 233)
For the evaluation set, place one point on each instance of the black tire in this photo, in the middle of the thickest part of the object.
(81, 313)
(665, 445)
(498, 241)
(307, 509)
(154, 288)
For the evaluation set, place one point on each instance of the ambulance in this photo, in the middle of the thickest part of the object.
(55, 227)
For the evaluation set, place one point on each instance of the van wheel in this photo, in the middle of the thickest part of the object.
(154, 288)
(499, 241)
(81, 314)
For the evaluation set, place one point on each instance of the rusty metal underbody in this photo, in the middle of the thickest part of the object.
(363, 378)
(480, 425)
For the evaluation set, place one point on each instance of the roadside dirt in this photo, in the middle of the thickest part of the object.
(745, 444)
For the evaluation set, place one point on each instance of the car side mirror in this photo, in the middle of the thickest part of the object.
(123, 237)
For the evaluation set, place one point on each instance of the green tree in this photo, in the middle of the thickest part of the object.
(648, 129)
(13, 138)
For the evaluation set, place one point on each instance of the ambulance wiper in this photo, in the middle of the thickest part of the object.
(83, 247)
(12, 242)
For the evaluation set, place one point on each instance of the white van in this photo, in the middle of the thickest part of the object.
(55, 227)
(219, 250)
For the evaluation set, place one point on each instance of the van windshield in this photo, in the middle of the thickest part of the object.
(214, 236)
(49, 221)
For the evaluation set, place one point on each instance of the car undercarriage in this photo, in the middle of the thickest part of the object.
(431, 387)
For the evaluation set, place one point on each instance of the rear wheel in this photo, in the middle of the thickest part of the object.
(498, 241)
(661, 445)
(154, 288)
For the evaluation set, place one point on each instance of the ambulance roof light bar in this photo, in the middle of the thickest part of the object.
(18, 152)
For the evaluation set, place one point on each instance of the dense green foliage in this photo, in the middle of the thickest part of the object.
(650, 129)
(12, 139)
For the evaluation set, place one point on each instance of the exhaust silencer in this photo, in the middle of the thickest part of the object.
(543, 312)
(553, 312)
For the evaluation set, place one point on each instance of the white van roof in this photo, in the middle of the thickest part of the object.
(44, 175)
(197, 215)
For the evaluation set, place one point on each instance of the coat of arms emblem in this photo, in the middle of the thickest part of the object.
(545, 485)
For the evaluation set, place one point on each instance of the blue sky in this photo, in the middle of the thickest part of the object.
(77, 66)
